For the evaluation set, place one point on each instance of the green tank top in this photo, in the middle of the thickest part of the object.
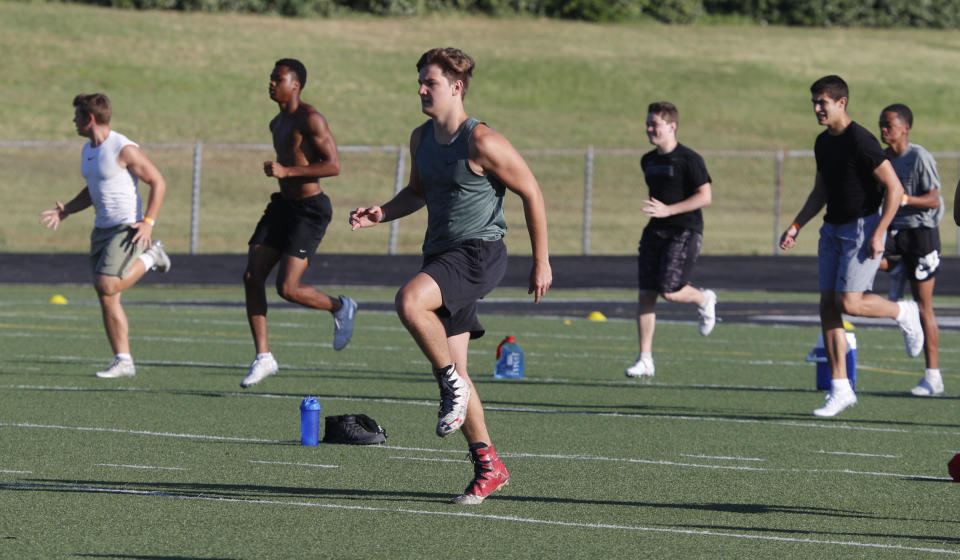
(461, 205)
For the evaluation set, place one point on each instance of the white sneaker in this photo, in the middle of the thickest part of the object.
(708, 312)
(260, 369)
(897, 282)
(643, 368)
(161, 259)
(454, 396)
(119, 368)
(343, 323)
(912, 330)
(928, 387)
(836, 403)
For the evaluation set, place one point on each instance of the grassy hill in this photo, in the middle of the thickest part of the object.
(176, 77)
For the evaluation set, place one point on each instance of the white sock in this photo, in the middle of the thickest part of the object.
(265, 355)
(646, 356)
(840, 385)
(932, 373)
(124, 357)
(148, 261)
(902, 315)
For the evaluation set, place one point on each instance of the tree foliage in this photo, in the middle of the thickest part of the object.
(943, 14)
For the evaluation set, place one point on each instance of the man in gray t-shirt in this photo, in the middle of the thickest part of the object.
(912, 249)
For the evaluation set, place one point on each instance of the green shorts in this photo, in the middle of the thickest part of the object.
(111, 252)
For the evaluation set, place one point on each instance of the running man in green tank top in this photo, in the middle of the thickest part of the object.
(461, 171)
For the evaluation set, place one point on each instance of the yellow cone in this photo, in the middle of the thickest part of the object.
(848, 325)
(58, 299)
(596, 316)
(567, 322)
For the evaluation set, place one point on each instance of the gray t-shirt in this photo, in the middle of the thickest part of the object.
(917, 170)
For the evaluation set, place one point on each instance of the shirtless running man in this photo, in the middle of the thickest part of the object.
(294, 222)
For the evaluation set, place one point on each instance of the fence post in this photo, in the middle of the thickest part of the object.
(397, 186)
(195, 199)
(777, 188)
(587, 198)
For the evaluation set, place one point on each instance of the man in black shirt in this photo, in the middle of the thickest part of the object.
(854, 178)
(679, 187)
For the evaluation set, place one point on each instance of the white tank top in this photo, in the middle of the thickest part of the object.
(113, 189)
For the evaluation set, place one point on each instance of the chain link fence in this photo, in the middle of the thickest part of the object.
(216, 192)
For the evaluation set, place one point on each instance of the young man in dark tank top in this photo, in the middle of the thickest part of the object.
(461, 170)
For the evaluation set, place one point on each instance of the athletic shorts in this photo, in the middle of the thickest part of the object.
(111, 250)
(465, 274)
(843, 256)
(919, 250)
(294, 227)
(666, 256)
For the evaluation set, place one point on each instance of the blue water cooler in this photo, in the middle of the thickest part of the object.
(819, 356)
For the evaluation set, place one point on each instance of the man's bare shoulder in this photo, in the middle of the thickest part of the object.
(307, 111)
(485, 140)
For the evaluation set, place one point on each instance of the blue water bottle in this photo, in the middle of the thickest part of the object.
(509, 360)
(309, 421)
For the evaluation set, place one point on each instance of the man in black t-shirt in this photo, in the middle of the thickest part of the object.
(854, 179)
(679, 187)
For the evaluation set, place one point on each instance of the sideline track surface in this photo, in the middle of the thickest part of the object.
(754, 273)
(774, 274)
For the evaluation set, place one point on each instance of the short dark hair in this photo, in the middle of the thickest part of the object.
(832, 85)
(298, 68)
(455, 64)
(902, 111)
(666, 110)
(96, 104)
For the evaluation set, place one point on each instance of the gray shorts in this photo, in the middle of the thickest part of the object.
(843, 256)
(111, 252)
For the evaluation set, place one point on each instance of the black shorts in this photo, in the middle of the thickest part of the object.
(666, 256)
(918, 248)
(294, 227)
(465, 274)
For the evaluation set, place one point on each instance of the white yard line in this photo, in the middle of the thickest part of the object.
(825, 452)
(136, 432)
(722, 458)
(813, 424)
(491, 517)
(139, 467)
(296, 464)
(660, 462)
(429, 459)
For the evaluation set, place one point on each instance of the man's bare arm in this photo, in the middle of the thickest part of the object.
(496, 156)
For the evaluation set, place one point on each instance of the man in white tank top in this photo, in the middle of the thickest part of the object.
(122, 249)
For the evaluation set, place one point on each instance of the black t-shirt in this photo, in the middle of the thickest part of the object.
(675, 177)
(846, 163)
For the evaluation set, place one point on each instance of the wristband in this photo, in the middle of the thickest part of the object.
(150, 221)
(796, 225)
(903, 200)
(383, 215)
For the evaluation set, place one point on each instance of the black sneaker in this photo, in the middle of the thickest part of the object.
(353, 429)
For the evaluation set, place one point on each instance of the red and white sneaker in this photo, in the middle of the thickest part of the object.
(489, 475)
